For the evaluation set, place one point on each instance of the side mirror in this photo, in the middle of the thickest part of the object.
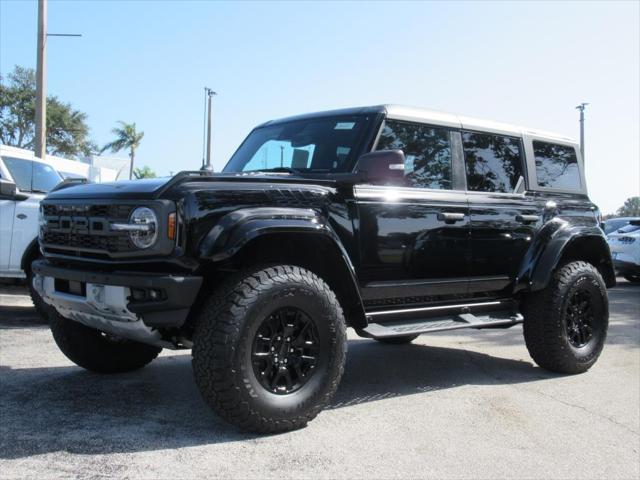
(9, 191)
(384, 167)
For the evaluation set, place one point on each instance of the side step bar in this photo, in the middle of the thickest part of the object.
(440, 324)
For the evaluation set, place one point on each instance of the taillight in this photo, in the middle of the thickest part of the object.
(171, 226)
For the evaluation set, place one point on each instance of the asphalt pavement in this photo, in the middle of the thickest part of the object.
(467, 404)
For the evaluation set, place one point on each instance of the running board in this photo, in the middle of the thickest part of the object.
(440, 324)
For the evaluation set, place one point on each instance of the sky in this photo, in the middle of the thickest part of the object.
(527, 63)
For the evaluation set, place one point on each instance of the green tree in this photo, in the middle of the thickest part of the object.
(144, 172)
(127, 137)
(67, 130)
(631, 208)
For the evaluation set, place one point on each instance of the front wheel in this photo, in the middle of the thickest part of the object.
(96, 351)
(42, 308)
(269, 348)
(565, 325)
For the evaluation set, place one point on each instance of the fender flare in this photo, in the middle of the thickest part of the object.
(28, 255)
(236, 229)
(555, 239)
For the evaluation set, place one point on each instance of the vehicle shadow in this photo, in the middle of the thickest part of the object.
(68, 409)
(20, 316)
(51, 409)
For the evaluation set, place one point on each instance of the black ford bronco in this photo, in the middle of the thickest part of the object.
(393, 221)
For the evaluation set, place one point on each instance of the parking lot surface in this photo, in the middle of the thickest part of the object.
(469, 404)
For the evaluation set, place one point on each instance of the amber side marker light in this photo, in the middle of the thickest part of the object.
(171, 226)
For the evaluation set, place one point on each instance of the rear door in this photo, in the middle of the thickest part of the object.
(414, 238)
(503, 218)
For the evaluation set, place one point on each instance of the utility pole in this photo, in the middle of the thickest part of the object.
(40, 143)
(41, 82)
(209, 93)
(582, 107)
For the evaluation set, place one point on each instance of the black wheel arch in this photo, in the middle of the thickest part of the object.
(30, 254)
(560, 245)
(267, 235)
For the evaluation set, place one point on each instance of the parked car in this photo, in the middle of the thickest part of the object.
(613, 224)
(625, 250)
(391, 220)
(24, 181)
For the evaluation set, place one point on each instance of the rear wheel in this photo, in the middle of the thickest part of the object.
(397, 340)
(565, 325)
(269, 348)
(96, 351)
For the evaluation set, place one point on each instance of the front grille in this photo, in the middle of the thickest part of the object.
(82, 230)
(116, 243)
(114, 212)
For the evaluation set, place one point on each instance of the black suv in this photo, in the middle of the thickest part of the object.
(391, 220)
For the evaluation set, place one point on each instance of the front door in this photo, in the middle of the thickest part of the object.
(7, 209)
(504, 219)
(414, 238)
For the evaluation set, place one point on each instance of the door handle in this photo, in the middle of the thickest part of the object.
(450, 217)
(21, 216)
(527, 218)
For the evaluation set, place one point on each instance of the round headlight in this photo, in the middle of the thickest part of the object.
(148, 232)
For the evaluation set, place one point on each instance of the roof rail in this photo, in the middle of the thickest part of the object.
(181, 177)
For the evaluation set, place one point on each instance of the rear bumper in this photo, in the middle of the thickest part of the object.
(110, 294)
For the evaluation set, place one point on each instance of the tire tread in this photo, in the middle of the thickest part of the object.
(219, 323)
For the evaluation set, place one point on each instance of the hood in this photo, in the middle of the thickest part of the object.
(149, 188)
(145, 188)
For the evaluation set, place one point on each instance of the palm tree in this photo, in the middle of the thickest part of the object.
(126, 137)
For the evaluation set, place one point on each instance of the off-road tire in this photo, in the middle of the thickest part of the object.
(42, 308)
(224, 334)
(397, 340)
(545, 320)
(93, 350)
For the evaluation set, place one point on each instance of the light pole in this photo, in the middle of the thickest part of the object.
(207, 164)
(582, 107)
(40, 143)
(41, 82)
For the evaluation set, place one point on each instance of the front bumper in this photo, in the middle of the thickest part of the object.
(105, 300)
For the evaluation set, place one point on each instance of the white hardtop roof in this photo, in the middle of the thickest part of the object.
(401, 112)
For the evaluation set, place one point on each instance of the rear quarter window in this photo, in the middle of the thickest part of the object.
(556, 166)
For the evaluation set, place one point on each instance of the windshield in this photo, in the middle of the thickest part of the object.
(32, 176)
(315, 145)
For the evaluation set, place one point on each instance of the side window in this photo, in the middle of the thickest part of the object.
(556, 166)
(493, 162)
(427, 151)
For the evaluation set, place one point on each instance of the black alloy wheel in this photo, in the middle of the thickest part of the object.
(285, 350)
(580, 318)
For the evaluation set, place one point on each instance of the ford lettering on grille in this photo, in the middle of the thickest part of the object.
(84, 230)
